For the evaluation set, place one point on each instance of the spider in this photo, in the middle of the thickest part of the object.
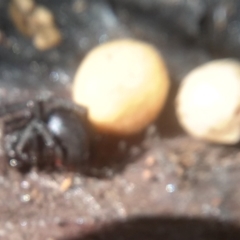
(46, 133)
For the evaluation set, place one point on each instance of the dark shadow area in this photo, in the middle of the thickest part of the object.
(111, 154)
(156, 228)
(167, 122)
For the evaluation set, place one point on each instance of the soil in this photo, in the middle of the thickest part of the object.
(161, 184)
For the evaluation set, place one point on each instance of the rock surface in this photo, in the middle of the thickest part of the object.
(166, 174)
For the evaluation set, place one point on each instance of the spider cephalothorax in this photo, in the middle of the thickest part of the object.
(47, 133)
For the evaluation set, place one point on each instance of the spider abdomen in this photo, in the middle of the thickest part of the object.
(71, 133)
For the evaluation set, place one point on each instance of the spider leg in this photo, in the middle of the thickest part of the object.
(6, 109)
(15, 125)
(13, 113)
(50, 142)
(27, 133)
(14, 120)
(37, 126)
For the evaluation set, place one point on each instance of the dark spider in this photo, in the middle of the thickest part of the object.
(45, 133)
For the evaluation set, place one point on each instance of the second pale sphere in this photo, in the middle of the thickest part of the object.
(208, 102)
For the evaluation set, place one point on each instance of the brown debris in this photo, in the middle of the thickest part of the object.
(66, 184)
(36, 22)
(150, 161)
(146, 174)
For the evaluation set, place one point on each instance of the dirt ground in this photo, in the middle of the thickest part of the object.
(161, 184)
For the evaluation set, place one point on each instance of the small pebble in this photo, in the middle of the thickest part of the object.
(147, 175)
(25, 198)
(41, 16)
(66, 184)
(46, 38)
(150, 161)
(36, 22)
(25, 6)
(170, 188)
(19, 11)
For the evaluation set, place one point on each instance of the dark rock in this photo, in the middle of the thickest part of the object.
(182, 16)
(221, 28)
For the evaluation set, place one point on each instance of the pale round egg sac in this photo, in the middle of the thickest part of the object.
(208, 102)
(123, 84)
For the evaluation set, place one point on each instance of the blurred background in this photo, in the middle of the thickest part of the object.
(170, 186)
